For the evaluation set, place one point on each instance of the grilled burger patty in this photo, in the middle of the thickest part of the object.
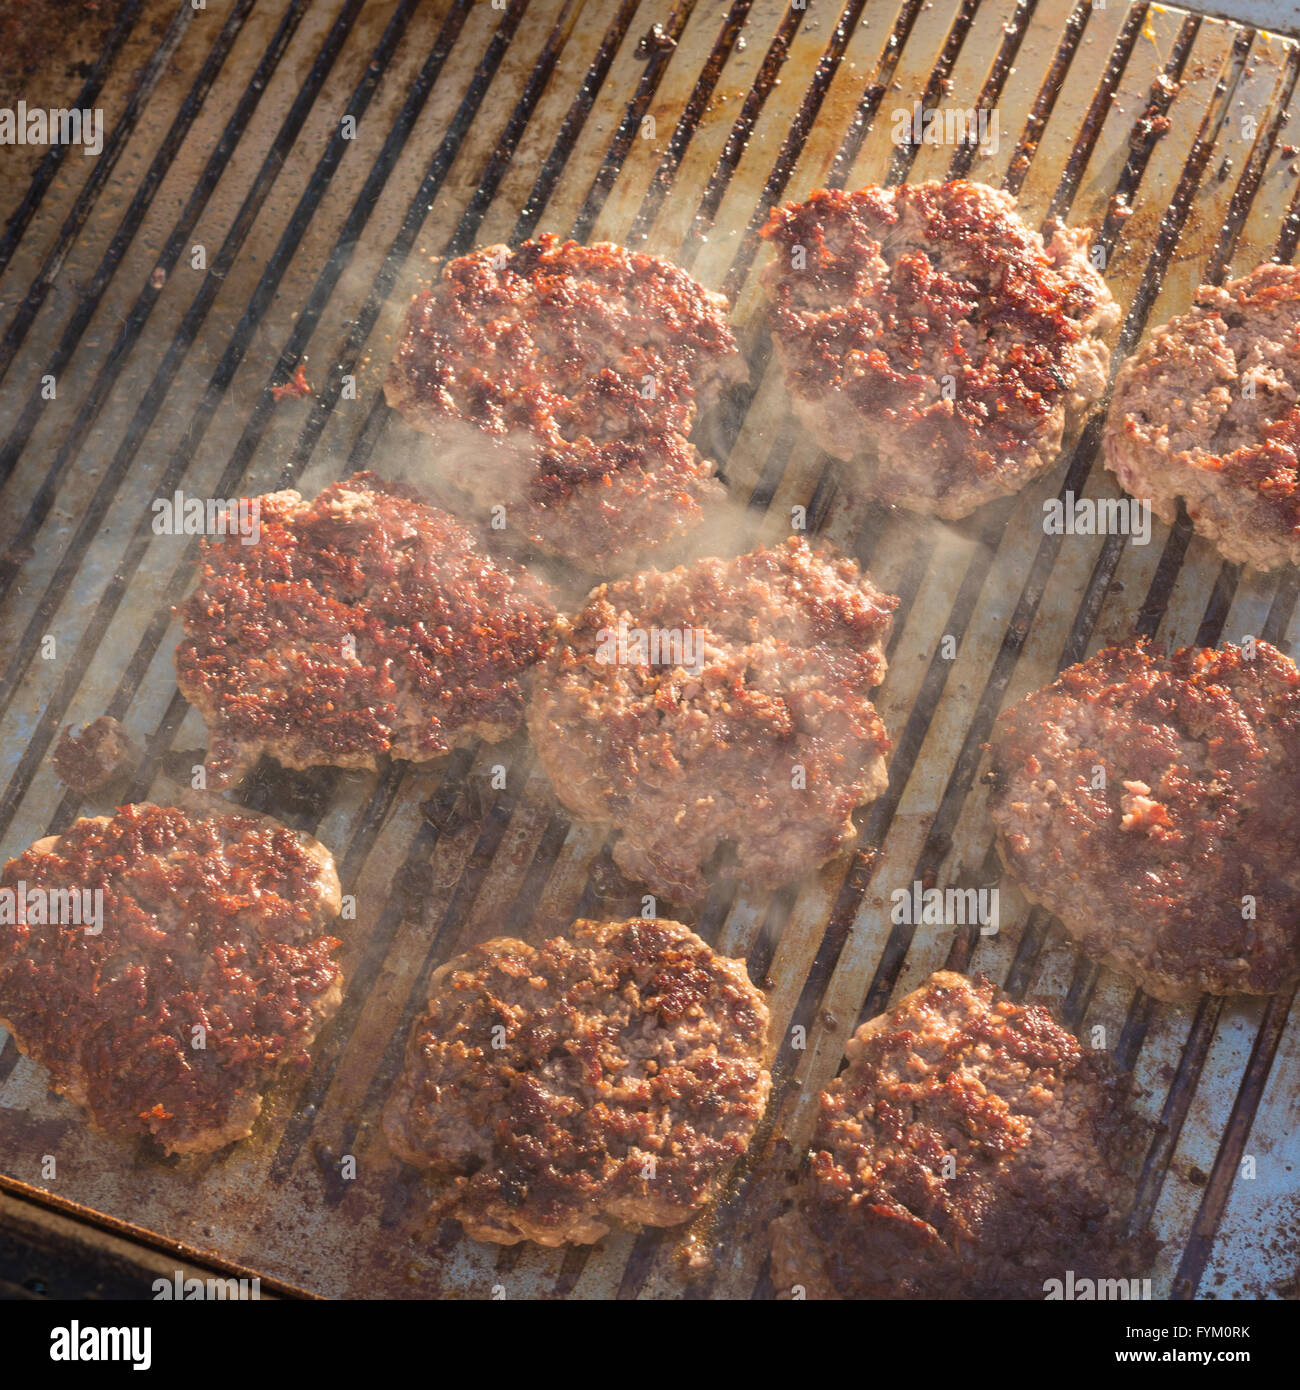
(762, 735)
(561, 382)
(210, 971)
(1209, 411)
(1147, 801)
(930, 337)
(617, 1073)
(362, 623)
(971, 1149)
(94, 759)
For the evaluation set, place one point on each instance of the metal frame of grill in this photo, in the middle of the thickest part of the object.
(476, 123)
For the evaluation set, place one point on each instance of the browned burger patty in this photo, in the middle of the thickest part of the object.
(561, 382)
(210, 971)
(99, 755)
(362, 623)
(1148, 801)
(971, 1149)
(616, 1074)
(762, 735)
(1209, 411)
(931, 338)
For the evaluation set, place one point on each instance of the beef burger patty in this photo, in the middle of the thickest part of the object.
(209, 973)
(932, 339)
(561, 382)
(91, 761)
(614, 1074)
(1209, 411)
(727, 701)
(1147, 801)
(360, 624)
(972, 1149)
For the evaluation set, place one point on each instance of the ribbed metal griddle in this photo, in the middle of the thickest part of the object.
(473, 124)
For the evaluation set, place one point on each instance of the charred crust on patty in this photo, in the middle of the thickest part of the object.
(211, 923)
(973, 1148)
(764, 740)
(363, 623)
(932, 339)
(614, 1074)
(1180, 864)
(568, 378)
(1209, 411)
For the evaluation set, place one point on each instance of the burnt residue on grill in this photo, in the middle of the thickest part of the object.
(30, 61)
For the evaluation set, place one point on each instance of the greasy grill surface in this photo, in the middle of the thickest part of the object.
(471, 125)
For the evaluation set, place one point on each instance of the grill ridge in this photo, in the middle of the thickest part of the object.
(18, 221)
(149, 294)
(16, 333)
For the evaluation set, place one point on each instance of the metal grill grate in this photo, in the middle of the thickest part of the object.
(475, 124)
